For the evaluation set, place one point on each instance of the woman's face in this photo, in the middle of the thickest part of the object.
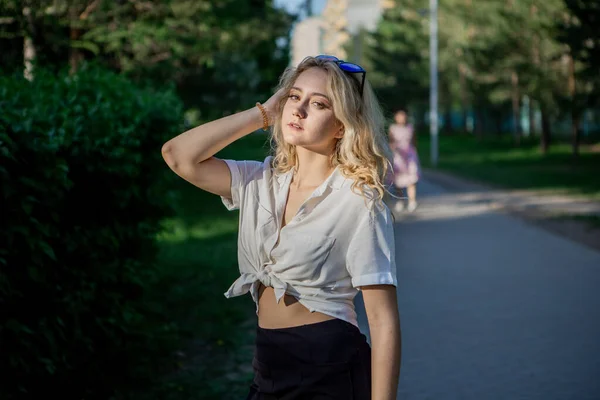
(401, 118)
(307, 118)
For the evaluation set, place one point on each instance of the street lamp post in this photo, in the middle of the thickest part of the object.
(433, 73)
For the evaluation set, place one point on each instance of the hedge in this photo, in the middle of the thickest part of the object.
(83, 194)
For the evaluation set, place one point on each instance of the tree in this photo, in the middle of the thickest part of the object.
(491, 54)
(578, 30)
(218, 53)
(397, 55)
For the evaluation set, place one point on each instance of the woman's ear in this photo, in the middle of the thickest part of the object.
(340, 132)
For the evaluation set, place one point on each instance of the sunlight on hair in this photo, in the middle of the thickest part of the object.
(363, 153)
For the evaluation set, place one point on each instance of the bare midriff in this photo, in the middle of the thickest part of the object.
(285, 314)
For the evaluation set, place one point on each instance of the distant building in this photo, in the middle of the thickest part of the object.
(364, 14)
(307, 39)
(337, 24)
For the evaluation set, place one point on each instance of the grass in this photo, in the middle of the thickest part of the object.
(498, 161)
(591, 221)
(197, 264)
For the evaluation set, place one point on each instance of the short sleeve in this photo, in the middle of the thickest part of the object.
(242, 173)
(371, 258)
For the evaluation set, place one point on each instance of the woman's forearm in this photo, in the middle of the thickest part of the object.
(385, 360)
(201, 143)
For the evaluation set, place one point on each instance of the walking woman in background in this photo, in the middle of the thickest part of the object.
(313, 232)
(406, 160)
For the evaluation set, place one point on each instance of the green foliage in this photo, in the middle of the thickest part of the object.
(222, 55)
(83, 194)
(579, 32)
(491, 55)
(398, 56)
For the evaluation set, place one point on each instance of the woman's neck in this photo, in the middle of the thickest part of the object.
(313, 169)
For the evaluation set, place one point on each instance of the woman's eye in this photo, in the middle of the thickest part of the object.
(293, 96)
(320, 106)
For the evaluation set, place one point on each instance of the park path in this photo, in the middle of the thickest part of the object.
(493, 307)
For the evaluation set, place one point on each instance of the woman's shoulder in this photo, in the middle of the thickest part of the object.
(251, 171)
(259, 164)
(266, 165)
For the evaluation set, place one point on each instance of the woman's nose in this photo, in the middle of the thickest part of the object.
(299, 112)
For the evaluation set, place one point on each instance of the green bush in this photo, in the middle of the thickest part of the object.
(83, 194)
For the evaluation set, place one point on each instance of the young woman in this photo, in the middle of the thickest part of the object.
(313, 231)
(406, 160)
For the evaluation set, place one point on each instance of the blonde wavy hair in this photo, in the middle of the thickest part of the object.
(363, 153)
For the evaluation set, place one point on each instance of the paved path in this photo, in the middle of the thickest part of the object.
(492, 307)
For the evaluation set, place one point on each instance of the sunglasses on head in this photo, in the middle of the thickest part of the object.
(346, 67)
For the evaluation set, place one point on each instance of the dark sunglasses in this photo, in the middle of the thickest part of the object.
(346, 67)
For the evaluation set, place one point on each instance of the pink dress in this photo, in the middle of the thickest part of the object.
(407, 170)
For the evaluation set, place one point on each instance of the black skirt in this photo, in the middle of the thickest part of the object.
(327, 360)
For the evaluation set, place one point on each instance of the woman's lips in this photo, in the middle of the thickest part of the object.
(295, 126)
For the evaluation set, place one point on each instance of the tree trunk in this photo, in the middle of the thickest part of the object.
(516, 108)
(448, 129)
(419, 123)
(29, 51)
(546, 134)
(465, 121)
(498, 123)
(532, 127)
(479, 124)
(537, 61)
(75, 54)
(463, 95)
(575, 132)
(575, 114)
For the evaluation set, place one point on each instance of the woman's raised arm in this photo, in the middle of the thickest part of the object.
(190, 154)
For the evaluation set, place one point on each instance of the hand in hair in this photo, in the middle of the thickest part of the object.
(272, 105)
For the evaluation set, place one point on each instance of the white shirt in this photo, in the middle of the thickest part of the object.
(331, 247)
